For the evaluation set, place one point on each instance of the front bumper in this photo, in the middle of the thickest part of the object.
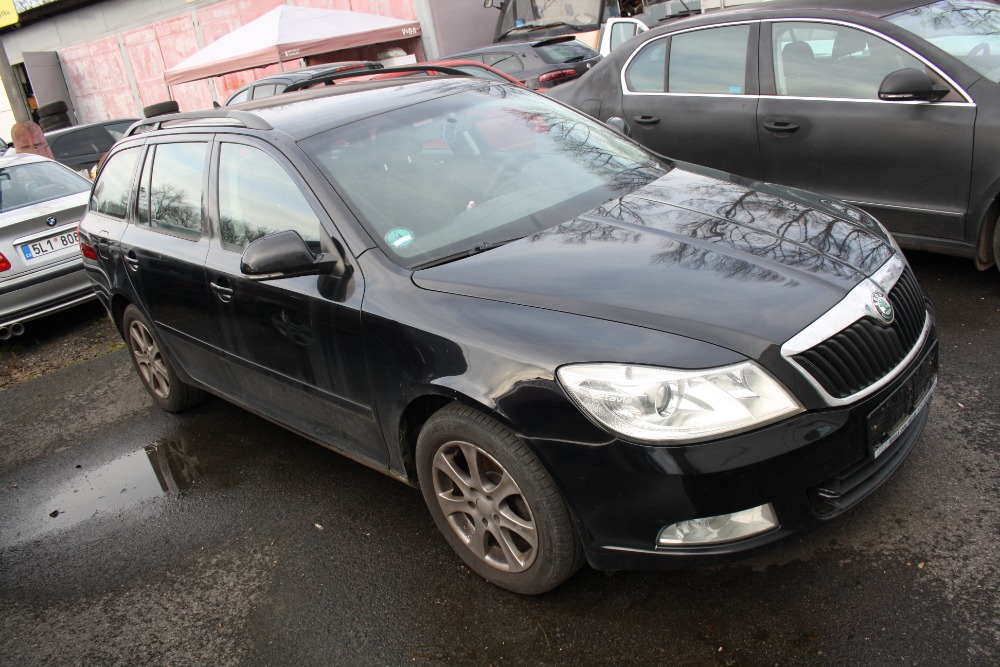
(810, 468)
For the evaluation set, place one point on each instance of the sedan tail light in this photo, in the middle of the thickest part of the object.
(4, 263)
(86, 249)
(556, 75)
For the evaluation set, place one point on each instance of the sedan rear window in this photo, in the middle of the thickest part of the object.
(566, 52)
(27, 184)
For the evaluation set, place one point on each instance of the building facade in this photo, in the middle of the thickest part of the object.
(106, 59)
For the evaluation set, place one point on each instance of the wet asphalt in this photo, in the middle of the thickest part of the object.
(132, 537)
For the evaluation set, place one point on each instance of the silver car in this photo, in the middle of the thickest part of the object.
(41, 272)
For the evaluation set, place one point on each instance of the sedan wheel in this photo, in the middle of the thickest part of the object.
(494, 502)
(154, 367)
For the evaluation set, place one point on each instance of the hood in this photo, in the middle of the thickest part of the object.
(689, 254)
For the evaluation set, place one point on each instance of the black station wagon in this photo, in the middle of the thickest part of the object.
(577, 350)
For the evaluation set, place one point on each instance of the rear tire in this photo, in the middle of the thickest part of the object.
(154, 367)
(494, 503)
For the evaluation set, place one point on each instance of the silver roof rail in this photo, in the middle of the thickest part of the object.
(208, 117)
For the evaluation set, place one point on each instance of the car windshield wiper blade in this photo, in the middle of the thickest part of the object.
(462, 254)
(538, 26)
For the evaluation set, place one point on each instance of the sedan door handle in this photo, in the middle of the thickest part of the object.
(646, 120)
(780, 126)
(223, 289)
(131, 261)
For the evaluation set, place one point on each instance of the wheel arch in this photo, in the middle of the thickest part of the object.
(987, 229)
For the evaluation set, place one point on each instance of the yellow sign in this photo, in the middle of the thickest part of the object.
(8, 15)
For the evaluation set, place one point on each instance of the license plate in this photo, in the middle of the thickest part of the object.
(51, 244)
(888, 421)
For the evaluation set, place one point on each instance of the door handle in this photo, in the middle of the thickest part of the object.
(222, 289)
(780, 126)
(131, 261)
(646, 120)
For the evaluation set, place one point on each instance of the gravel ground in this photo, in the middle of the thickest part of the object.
(57, 341)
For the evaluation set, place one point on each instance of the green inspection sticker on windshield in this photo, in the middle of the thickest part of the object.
(399, 237)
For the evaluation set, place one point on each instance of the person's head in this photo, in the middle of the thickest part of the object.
(27, 137)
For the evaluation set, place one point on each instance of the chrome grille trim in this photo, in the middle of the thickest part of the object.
(844, 326)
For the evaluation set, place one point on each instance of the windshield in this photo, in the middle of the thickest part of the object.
(460, 173)
(520, 18)
(26, 184)
(966, 29)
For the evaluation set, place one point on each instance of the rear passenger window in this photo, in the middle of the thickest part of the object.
(170, 189)
(508, 63)
(269, 90)
(647, 73)
(709, 61)
(258, 198)
(111, 191)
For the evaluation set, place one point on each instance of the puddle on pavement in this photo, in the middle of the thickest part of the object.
(156, 470)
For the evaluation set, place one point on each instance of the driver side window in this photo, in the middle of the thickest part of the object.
(825, 60)
(258, 198)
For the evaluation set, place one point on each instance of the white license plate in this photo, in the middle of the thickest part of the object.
(56, 243)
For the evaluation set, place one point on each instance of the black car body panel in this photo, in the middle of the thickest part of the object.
(928, 171)
(688, 268)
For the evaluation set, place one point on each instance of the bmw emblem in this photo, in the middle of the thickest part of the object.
(51, 222)
(883, 307)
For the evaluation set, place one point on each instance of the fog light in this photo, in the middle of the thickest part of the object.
(716, 529)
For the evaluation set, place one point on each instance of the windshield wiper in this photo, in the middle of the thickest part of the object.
(462, 254)
(538, 26)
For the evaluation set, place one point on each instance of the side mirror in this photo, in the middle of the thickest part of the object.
(488, 4)
(618, 125)
(285, 255)
(910, 85)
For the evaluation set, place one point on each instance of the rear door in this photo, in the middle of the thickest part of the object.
(692, 96)
(296, 343)
(164, 251)
(822, 127)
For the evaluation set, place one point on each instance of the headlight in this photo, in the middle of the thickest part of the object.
(672, 406)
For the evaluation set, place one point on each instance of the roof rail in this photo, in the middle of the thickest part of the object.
(350, 74)
(213, 116)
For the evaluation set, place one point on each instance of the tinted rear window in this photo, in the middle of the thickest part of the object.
(26, 184)
(566, 52)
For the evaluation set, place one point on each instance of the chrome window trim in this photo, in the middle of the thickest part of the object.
(853, 307)
(968, 99)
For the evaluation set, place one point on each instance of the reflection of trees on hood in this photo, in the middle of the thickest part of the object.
(782, 227)
(580, 231)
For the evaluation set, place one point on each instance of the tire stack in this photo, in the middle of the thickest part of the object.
(54, 116)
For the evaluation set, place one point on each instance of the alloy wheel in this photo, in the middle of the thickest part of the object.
(484, 506)
(148, 359)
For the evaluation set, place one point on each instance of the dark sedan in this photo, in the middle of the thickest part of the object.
(576, 349)
(81, 147)
(539, 64)
(892, 105)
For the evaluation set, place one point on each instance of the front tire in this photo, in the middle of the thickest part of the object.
(494, 503)
(154, 367)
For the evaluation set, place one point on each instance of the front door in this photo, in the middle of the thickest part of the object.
(296, 343)
(824, 128)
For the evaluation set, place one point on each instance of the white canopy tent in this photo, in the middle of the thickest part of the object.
(288, 33)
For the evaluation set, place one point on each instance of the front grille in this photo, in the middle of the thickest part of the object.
(863, 353)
